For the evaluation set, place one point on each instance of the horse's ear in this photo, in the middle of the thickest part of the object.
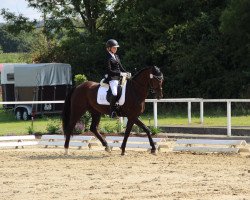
(156, 70)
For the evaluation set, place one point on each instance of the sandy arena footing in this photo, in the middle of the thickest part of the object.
(44, 174)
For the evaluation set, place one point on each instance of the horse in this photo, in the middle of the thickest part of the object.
(84, 98)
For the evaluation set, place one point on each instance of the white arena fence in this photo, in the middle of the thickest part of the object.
(183, 145)
(155, 102)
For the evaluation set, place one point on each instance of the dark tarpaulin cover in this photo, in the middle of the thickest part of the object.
(42, 74)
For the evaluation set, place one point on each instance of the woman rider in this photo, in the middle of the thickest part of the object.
(115, 71)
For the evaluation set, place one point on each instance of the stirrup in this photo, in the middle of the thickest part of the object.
(113, 114)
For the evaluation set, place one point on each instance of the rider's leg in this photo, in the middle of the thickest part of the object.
(113, 106)
(113, 85)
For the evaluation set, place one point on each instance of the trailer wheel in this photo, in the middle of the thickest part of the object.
(25, 115)
(19, 114)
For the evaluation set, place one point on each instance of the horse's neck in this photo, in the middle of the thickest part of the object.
(141, 84)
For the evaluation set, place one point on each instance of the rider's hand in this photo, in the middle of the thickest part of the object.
(128, 74)
(124, 74)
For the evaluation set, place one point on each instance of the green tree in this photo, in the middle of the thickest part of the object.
(68, 13)
(181, 37)
(15, 43)
(19, 23)
(202, 47)
(72, 32)
(235, 25)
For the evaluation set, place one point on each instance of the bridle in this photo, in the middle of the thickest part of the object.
(152, 76)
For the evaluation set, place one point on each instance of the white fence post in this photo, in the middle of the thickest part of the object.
(229, 119)
(155, 114)
(121, 120)
(120, 124)
(125, 121)
(189, 112)
(201, 112)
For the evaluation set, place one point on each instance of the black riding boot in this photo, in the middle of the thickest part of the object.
(112, 106)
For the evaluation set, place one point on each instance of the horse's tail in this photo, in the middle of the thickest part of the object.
(67, 111)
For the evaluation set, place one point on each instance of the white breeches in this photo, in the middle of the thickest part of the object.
(113, 85)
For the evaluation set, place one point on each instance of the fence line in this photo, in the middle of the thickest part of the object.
(179, 100)
(229, 108)
(29, 102)
(201, 101)
(189, 101)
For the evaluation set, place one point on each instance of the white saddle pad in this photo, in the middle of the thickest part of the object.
(102, 93)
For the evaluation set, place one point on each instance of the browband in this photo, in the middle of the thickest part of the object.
(157, 77)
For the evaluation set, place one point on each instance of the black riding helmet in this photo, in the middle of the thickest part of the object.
(112, 43)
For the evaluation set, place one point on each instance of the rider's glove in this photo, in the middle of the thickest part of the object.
(128, 74)
(124, 74)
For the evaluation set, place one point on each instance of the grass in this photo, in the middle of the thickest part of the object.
(209, 120)
(9, 126)
(15, 58)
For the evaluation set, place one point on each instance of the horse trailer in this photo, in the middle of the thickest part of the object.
(35, 82)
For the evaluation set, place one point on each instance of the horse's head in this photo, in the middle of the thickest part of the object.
(156, 80)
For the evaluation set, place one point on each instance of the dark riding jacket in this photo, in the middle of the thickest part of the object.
(114, 67)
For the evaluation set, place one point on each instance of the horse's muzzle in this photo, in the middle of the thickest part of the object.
(159, 97)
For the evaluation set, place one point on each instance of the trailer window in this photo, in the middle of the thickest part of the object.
(10, 77)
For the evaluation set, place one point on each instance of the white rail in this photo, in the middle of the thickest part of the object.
(229, 116)
(182, 100)
(29, 102)
(201, 101)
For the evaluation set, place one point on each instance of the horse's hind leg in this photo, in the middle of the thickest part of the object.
(78, 112)
(94, 128)
(68, 135)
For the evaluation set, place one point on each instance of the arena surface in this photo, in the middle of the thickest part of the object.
(44, 174)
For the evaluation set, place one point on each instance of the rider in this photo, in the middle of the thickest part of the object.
(115, 71)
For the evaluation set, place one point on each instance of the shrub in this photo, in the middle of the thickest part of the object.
(136, 129)
(79, 128)
(108, 128)
(30, 129)
(79, 79)
(155, 130)
(53, 126)
(119, 126)
(86, 120)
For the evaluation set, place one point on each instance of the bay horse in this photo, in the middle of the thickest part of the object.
(84, 98)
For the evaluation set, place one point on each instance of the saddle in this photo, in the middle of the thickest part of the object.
(104, 93)
(119, 93)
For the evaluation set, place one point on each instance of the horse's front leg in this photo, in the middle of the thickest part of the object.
(146, 129)
(66, 144)
(130, 124)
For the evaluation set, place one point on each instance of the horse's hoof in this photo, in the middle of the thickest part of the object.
(153, 152)
(123, 154)
(108, 149)
(66, 153)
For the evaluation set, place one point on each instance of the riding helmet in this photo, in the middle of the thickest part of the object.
(112, 43)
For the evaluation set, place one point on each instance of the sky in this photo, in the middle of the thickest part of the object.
(19, 7)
